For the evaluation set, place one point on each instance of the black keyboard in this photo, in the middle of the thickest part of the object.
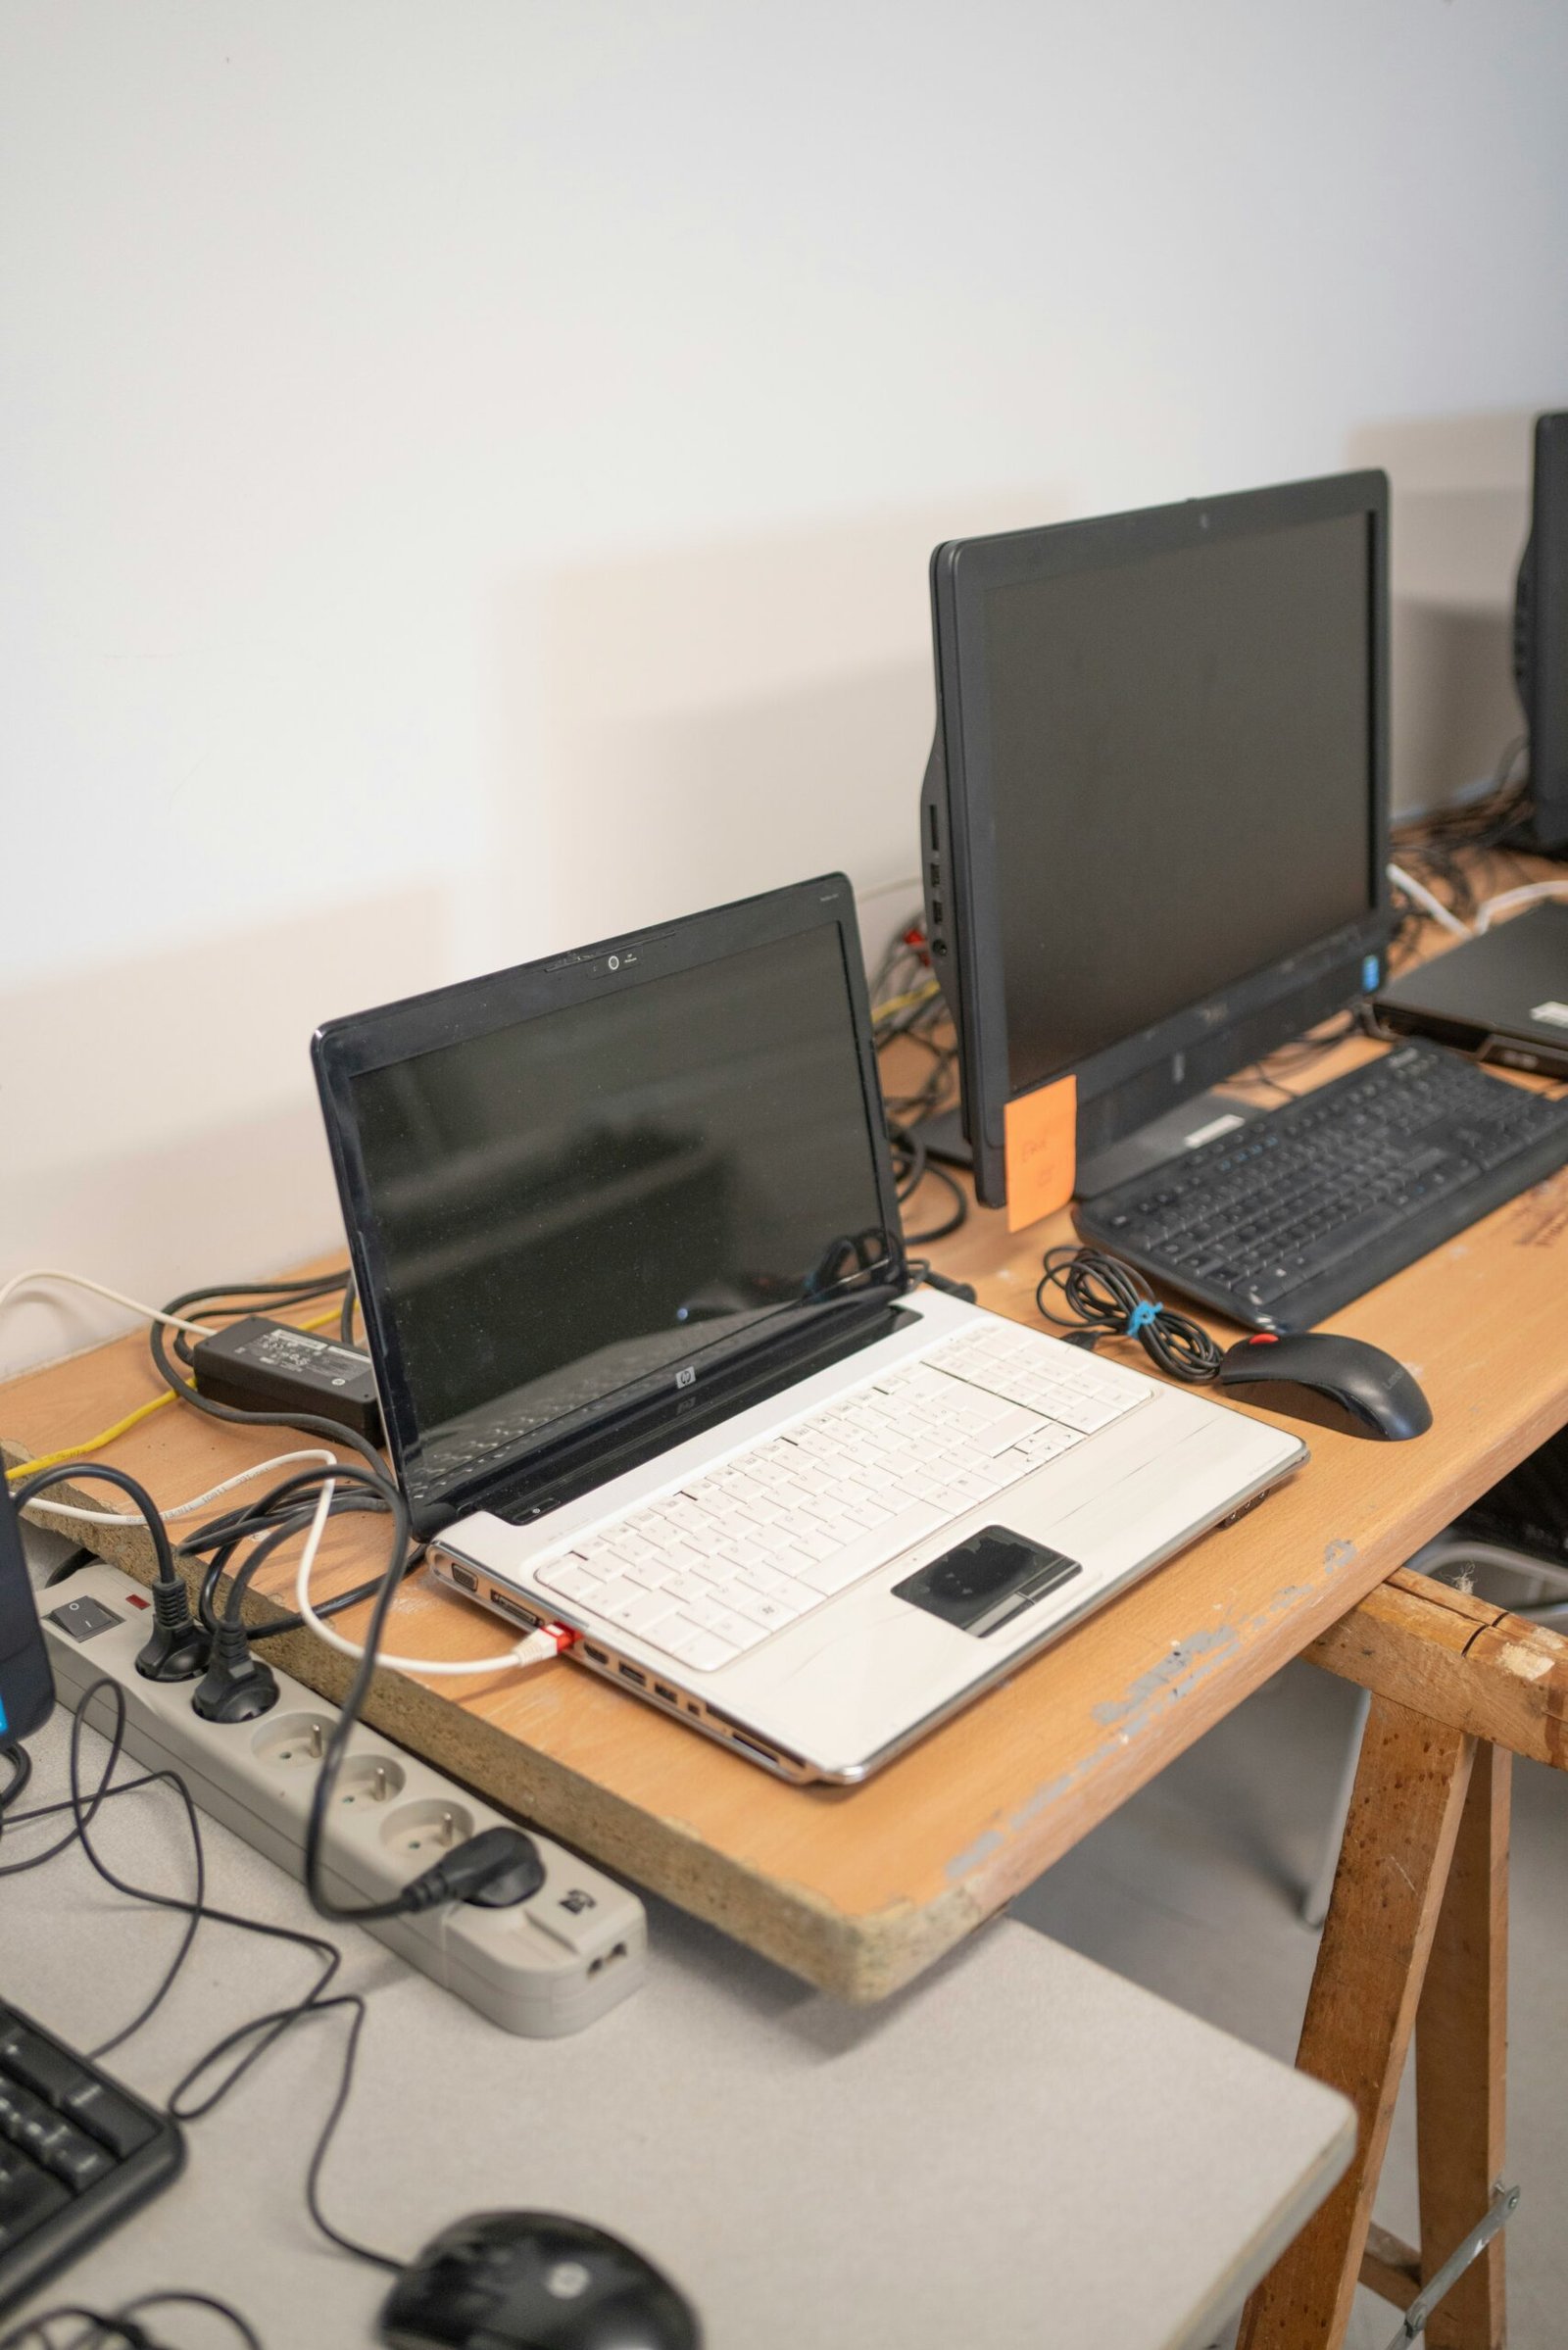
(1287, 1219)
(77, 2154)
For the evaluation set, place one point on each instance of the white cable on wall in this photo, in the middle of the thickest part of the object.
(80, 1281)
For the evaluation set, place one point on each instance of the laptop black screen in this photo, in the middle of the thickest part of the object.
(587, 1204)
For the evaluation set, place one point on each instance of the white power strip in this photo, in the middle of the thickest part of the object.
(546, 1967)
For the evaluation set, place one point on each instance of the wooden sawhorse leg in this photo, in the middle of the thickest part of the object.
(1399, 1838)
(1461, 2057)
(1416, 1941)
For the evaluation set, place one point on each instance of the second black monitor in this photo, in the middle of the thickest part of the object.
(1155, 823)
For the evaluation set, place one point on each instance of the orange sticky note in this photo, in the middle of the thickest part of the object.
(1040, 1152)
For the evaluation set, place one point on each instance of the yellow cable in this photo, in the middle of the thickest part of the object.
(107, 1436)
(914, 994)
(94, 1444)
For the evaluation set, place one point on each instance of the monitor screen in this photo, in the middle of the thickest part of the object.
(570, 1208)
(1179, 759)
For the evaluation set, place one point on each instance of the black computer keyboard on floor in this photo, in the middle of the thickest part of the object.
(1287, 1219)
(77, 2153)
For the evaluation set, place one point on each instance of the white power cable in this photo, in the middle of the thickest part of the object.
(1419, 895)
(537, 1648)
(80, 1281)
(1511, 899)
(180, 1510)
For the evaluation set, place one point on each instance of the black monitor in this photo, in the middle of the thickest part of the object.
(1155, 823)
(1541, 636)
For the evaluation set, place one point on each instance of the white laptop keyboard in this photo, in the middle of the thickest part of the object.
(717, 1564)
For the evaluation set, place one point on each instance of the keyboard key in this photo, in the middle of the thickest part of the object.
(737, 1629)
(110, 2118)
(816, 1474)
(715, 1574)
(615, 1599)
(759, 1607)
(572, 1582)
(703, 1650)
(973, 1487)
(681, 1557)
(870, 1551)
(77, 2158)
(1010, 1423)
(648, 1613)
(652, 1574)
(40, 2066)
(598, 1557)
(793, 1589)
(24, 2119)
(1046, 1443)
(813, 1539)
(27, 2197)
(1084, 1414)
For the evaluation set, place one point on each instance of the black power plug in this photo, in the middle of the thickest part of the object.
(512, 1858)
(236, 1685)
(177, 1647)
(495, 1869)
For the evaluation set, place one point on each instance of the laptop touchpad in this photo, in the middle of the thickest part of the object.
(987, 1581)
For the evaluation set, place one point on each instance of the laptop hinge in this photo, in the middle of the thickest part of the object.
(592, 1458)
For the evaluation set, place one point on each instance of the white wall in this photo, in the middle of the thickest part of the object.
(469, 468)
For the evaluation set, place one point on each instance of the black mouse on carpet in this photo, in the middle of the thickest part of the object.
(1366, 1392)
(534, 2280)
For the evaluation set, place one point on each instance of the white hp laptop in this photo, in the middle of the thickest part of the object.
(653, 1364)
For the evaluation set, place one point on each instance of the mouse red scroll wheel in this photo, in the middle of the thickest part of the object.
(1265, 1337)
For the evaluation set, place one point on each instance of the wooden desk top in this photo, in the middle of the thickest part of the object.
(857, 1890)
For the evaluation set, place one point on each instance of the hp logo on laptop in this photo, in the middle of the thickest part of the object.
(686, 1378)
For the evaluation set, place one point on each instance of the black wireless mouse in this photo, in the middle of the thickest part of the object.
(1367, 1392)
(534, 2280)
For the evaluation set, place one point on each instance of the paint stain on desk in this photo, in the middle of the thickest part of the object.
(1188, 1662)
(974, 1854)
(1126, 1719)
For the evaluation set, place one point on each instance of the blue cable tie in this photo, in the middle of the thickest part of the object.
(1140, 1317)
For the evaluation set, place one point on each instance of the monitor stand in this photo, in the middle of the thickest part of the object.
(1202, 1118)
(944, 1138)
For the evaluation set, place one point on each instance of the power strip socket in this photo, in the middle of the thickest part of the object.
(544, 1967)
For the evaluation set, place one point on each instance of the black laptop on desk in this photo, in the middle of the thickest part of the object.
(1502, 997)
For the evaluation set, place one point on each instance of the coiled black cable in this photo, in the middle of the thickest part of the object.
(1112, 1299)
(223, 1535)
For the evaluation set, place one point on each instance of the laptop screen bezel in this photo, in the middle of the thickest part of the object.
(345, 1050)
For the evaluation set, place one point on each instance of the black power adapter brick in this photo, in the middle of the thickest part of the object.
(258, 1364)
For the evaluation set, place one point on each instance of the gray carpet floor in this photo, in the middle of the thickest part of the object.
(1193, 1887)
